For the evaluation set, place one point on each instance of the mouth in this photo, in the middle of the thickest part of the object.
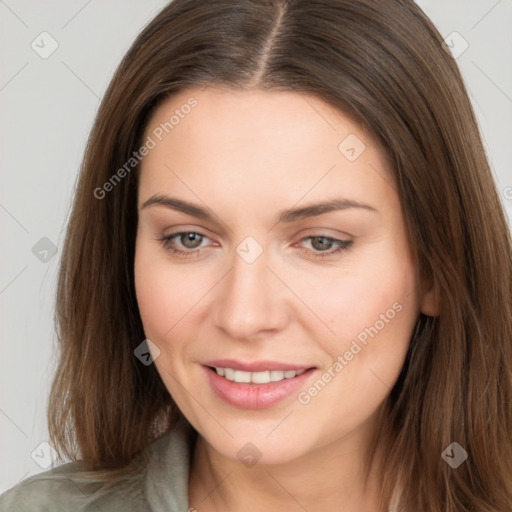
(255, 385)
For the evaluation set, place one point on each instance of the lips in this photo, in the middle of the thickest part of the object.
(254, 395)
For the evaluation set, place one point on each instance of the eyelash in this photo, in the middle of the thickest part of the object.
(343, 245)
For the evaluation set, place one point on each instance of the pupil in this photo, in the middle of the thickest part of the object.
(190, 237)
(322, 241)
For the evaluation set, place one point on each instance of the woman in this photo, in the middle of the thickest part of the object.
(339, 336)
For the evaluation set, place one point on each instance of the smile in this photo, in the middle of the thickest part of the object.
(256, 385)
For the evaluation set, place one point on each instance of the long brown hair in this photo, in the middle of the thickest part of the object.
(382, 63)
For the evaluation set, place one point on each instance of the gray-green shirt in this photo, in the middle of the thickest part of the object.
(159, 486)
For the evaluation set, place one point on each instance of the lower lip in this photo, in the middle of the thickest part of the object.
(254, 396)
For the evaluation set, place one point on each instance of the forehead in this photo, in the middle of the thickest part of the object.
(208, 139)
(234, 112)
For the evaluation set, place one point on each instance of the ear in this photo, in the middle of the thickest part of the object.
(430, 301)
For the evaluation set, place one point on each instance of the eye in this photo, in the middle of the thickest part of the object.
(190, 240)
(322, 242)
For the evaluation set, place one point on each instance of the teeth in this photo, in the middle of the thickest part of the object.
(257, 377)
(276, 375)
(241, 376)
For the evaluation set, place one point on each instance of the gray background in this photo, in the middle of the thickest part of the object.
(47, 107)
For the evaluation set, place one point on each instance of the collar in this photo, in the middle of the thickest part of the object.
(167, 473)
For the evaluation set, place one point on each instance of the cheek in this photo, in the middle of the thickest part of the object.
(365, 357)
(358, 296)
(166, 293)
(159, 304)
(371, 310)
(166, 299)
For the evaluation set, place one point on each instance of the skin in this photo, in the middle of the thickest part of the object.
(246, 156)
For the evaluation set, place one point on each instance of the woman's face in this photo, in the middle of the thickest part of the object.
(265, 282)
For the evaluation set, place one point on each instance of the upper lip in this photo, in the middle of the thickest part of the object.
(255, 366)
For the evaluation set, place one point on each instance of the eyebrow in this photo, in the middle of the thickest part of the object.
(285, 216)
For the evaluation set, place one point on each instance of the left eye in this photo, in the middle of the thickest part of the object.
(191, 243)
(342, 245)
(185, 238)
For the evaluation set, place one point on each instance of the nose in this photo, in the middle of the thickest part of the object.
(252, 300)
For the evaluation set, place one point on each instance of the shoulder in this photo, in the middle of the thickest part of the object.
(65, 488)
(155, 480)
